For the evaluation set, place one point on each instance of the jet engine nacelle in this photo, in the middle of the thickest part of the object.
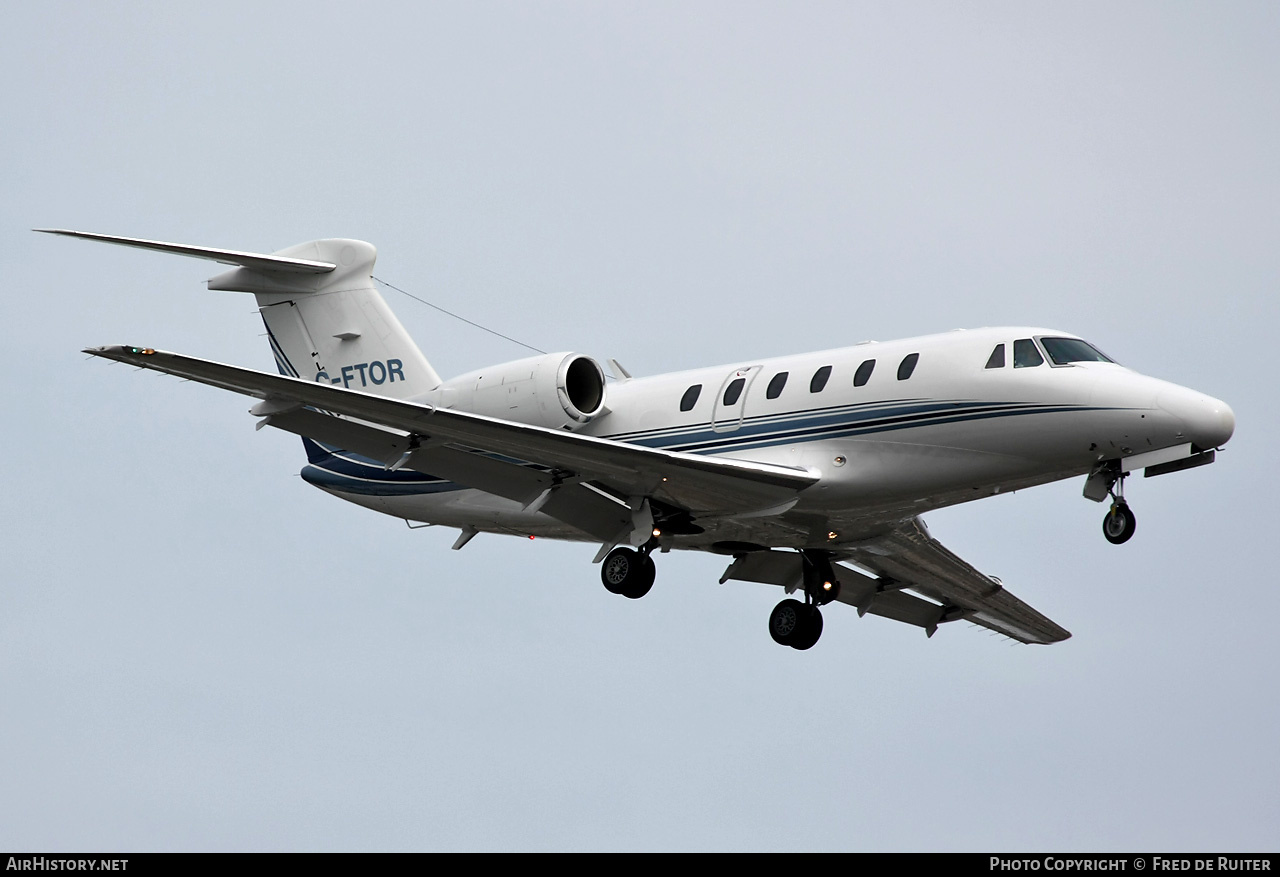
(556, 390)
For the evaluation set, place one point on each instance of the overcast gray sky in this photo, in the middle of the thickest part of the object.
(200, 651)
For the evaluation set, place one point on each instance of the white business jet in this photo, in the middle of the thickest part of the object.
(799, 468)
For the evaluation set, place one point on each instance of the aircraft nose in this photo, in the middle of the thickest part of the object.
(1207, 421)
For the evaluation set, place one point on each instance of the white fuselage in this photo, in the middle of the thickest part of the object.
(955, 429)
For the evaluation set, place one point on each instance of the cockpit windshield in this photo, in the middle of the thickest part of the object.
(1067, 350)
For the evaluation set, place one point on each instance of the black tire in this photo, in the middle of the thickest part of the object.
(1119, 524)
(786, 620)
(620, 570)
(646, 572)
(808, 635)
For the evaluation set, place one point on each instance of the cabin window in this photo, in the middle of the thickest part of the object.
(819, 379)
(690, 397)
(1025, 354)
(1066, 350)
(775, 386)
(734, 390)
(907, 366)
(863, 374)
(996, 360)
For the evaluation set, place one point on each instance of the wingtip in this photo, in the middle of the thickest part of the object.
(118, 351)
(70, 233)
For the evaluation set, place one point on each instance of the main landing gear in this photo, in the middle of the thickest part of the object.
(629, 572)
(795, 624)
(799, 625)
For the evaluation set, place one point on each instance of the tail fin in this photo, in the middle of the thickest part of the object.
(335, 327)
(325, 319)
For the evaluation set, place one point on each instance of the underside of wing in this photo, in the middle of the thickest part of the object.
(596, 514)
(908, 560)
(531, 464)
(910, 557)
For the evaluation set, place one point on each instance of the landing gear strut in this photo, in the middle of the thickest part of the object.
(799, 625)
(629, 572)
(1120, 523)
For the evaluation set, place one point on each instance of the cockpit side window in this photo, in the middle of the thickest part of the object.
(1025, 354)
(1067, 350)
(996, 360)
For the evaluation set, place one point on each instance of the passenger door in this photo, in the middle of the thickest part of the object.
(731, 399)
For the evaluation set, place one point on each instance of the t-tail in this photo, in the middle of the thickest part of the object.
(325, 319)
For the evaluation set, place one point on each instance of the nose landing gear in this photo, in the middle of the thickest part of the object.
(1107, 480)
(1120, 523)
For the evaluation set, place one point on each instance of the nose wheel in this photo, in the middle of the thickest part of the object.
(1119, 524)
(1107, 479)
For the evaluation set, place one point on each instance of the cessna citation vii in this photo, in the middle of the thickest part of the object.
(798, 468)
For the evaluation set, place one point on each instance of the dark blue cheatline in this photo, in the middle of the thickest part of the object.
(353, 473)
(348, 472)
(840, 422)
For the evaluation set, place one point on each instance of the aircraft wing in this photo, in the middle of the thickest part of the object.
(909, 559)
(691, 482)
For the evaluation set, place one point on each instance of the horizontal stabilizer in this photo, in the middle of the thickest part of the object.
(254, 261)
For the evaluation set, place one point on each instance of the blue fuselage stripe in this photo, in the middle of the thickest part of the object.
(344, 471)
(809, 426)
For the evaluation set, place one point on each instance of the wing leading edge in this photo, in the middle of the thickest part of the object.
(694, 483)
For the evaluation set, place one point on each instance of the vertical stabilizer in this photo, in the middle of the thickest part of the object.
(326, 320)
(335, 327)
